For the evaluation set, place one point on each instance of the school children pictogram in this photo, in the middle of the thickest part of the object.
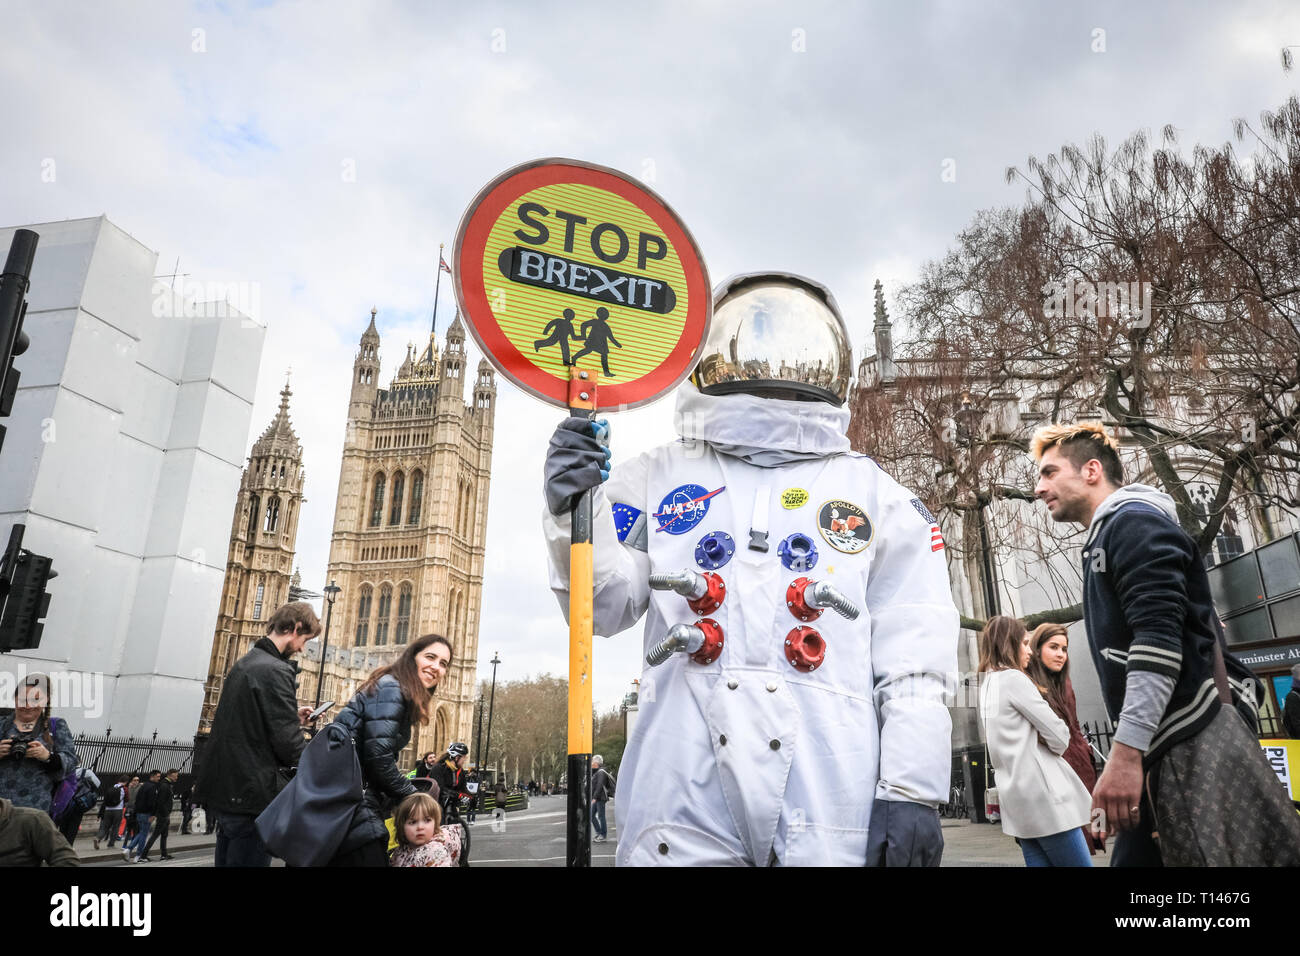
(598, 336)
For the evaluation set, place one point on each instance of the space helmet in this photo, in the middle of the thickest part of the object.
(775, 334)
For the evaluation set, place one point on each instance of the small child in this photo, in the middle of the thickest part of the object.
(421, 838)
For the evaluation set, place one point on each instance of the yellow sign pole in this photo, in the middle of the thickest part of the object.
(582, 589)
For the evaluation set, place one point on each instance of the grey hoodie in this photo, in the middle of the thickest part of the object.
(1133, 492)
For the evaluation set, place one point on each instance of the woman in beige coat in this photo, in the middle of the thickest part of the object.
(1042, 800)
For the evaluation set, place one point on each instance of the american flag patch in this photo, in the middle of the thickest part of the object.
(936, 536)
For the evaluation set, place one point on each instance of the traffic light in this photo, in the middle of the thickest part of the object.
(23, 601)
(13, 308)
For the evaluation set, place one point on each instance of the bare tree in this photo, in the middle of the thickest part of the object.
(1154, 290)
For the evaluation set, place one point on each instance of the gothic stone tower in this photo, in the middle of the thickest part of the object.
(259, 564)
(411, 516)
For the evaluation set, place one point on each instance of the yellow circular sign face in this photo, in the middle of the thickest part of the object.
(561, 265)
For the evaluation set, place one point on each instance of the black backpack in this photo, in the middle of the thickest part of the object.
(85, 798)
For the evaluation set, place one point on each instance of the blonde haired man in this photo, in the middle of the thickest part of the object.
(1154, 636)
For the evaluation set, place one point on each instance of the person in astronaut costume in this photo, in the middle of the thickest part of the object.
(816, 733)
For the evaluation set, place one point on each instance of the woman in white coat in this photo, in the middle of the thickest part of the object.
(1043, 802)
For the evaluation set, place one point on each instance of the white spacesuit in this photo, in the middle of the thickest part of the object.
(816, 685)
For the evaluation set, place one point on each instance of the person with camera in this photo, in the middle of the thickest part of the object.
(36, 750)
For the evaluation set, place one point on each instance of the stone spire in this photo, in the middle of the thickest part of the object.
(888, 373)
(457, 331)
(279, 436)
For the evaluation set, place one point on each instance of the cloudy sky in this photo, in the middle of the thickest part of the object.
(324, 150)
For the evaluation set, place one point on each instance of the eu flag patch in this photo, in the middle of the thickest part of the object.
(625, 519)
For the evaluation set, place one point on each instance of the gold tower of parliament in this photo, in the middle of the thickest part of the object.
(260, 558)
(410, 523)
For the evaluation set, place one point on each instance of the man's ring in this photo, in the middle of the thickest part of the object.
(1134, 809)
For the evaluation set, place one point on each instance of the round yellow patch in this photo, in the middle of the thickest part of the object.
(793, 498)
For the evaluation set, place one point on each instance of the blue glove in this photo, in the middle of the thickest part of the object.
(904, 834)
(578, 459)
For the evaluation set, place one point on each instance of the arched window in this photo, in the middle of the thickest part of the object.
(417, 498)
(469, 509)
(441, 736)
(363, 616)
(381, 617)
(377, 501)
(254, 512)
(395, 515)
(460, 500)
(272, 515)
(257, 599)
(403, 614)
(453, 612)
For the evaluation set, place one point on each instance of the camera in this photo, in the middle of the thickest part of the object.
(18, 748)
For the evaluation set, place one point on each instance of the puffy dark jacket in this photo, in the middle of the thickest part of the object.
(256, 734)
(380, 723)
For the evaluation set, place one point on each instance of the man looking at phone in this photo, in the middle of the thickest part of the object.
(257, 735)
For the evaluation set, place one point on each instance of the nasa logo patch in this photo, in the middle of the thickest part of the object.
(684, 507)
(844, 526)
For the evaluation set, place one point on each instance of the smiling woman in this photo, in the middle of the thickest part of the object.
(379, 718)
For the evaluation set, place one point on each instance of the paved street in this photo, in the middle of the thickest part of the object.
(535, 837)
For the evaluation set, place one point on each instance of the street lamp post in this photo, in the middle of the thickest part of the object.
(478, 738)
(331, 592)
(492, 702)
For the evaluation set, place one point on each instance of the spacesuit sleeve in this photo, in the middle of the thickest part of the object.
(914, 627)
(622, 569)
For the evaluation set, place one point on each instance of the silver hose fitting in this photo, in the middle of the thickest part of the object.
(681, 637)
(689, 584)
(824, 594)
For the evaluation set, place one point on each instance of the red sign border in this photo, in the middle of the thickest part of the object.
(471, 294)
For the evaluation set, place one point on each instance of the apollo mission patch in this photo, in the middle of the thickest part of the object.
(844, 526)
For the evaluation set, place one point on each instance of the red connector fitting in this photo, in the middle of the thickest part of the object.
(797, 602)
(711, 599)
(805, 649)
(712, 647)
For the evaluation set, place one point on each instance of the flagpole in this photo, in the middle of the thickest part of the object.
(436, 286)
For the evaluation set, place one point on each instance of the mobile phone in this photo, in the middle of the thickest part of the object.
(321, 709)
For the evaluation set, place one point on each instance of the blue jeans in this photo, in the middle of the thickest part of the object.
(137, 844)
(598, 817)
(238, 843)
(1059, 849)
